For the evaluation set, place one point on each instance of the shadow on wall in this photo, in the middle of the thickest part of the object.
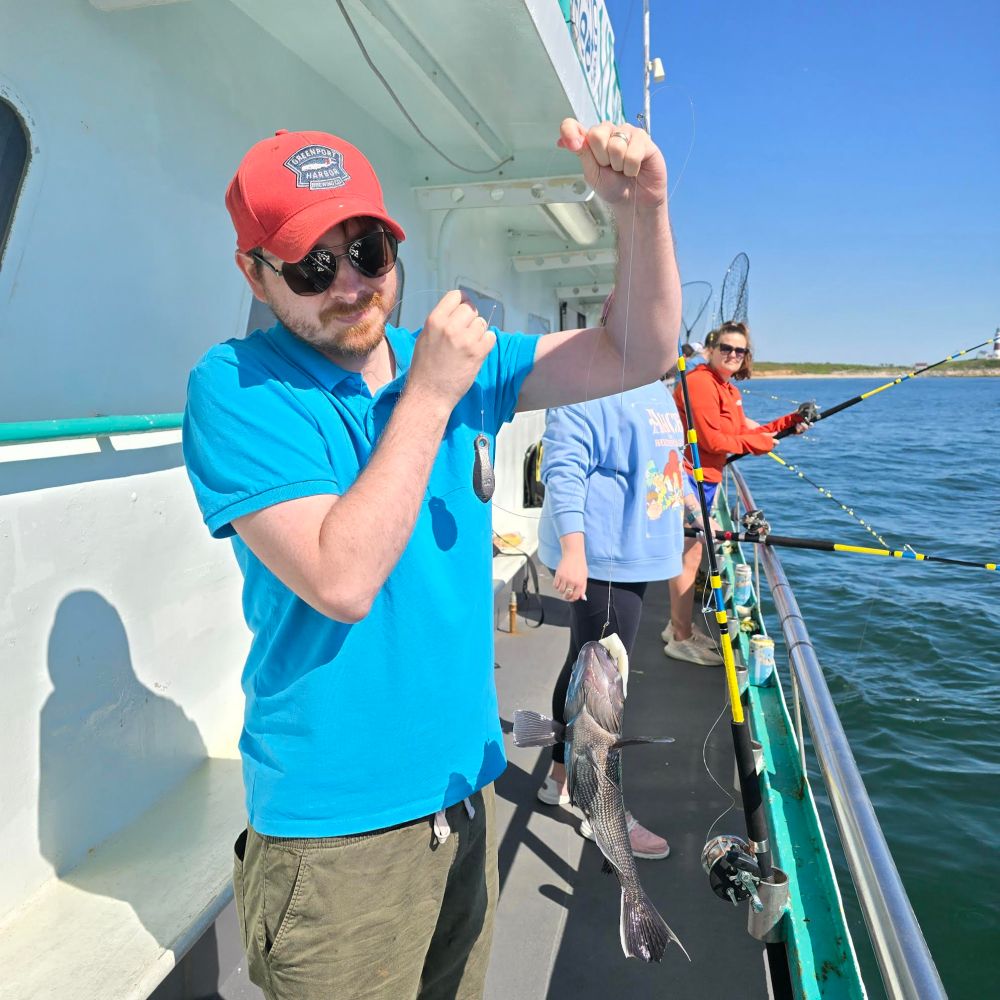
(33, 474)
(109, 746)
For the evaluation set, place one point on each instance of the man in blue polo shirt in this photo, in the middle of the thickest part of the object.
(337, 452)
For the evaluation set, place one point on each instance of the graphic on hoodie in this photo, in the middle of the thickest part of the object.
(664, 487)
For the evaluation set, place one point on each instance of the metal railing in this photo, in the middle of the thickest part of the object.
(905, 961)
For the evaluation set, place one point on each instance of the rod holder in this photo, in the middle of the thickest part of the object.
(766, 925)
(758, 763)
(742, 678)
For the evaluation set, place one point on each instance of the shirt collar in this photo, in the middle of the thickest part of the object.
(328, 373)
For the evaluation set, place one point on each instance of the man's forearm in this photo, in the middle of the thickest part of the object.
(367, 529)
(647, 289)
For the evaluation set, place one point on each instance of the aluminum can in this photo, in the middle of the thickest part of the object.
(743, 585)
(761, 665)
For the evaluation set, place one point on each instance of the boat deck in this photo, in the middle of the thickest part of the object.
(557, 925)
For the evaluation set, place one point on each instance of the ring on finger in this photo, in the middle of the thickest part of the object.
(619, 134)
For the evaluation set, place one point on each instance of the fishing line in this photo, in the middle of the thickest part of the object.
(868, 617)
(621, 393)
(708, 771)
(694, 131)
(796, 471)
(767, 395)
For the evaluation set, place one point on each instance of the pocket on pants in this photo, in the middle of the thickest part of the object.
(284, 882)
(239, 853)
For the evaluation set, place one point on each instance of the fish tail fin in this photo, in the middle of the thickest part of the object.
(644, 932)
(534, 730)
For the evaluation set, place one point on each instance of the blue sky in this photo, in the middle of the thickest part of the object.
(852, 150)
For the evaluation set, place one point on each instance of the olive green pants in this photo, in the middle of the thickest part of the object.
(387, 915)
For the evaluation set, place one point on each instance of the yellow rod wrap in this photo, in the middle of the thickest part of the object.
(888, 385)
(699, 476)
(682, 364)
(732, 682)
(692, 436)
(862, 549)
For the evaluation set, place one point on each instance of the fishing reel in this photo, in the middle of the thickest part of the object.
(754, 523)
(809, 412)
(733, 872)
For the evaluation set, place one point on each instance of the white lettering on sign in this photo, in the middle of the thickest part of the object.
(594, 38)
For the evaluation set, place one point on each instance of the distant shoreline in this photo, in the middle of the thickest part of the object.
(795, 371)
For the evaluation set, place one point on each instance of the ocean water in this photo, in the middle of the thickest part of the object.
(910, 650)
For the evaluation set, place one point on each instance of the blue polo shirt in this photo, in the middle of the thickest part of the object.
(351, 728)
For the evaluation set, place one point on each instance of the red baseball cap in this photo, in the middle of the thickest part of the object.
(293, 187)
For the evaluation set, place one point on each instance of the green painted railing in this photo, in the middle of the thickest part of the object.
(33, 431)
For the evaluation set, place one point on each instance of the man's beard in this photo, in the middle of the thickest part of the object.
(354, 342)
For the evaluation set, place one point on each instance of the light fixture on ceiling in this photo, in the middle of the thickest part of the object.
(573, 221)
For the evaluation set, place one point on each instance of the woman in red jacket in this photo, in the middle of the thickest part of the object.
(723, 430)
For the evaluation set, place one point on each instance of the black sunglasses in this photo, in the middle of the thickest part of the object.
(373, 254)
(740, 352)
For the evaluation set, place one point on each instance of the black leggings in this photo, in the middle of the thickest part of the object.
(586, 622)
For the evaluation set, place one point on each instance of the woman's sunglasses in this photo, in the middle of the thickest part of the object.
(740, 352)
(373, 254)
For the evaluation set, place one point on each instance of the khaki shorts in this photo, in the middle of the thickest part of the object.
(390, 914)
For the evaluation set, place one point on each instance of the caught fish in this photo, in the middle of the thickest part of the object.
(595, 703)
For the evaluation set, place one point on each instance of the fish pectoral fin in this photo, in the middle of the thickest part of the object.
(635, 740)
(534, 730)
(607, 867)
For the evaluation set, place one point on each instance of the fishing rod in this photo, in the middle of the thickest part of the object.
(872, 392)
(823, 414)
(759, 537)
(731, 869)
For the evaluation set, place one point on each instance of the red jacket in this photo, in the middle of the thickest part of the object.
(720, 422)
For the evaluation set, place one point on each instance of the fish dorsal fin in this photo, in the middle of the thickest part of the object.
(616, 648)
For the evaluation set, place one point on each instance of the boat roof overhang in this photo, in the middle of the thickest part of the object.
(486, 81)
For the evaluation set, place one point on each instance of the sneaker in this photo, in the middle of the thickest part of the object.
(692, 651)
(644, 843)
(551, 793)
(699, 637)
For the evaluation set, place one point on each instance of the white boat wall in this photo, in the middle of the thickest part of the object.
(120, 625)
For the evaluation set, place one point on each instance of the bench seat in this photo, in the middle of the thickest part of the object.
(114, 926)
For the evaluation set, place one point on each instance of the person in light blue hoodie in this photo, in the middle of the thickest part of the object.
(612, 522)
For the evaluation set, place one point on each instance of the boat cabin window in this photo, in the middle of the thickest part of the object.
(488, 306)
(537, 324)
(566, 318)
(13, 165)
